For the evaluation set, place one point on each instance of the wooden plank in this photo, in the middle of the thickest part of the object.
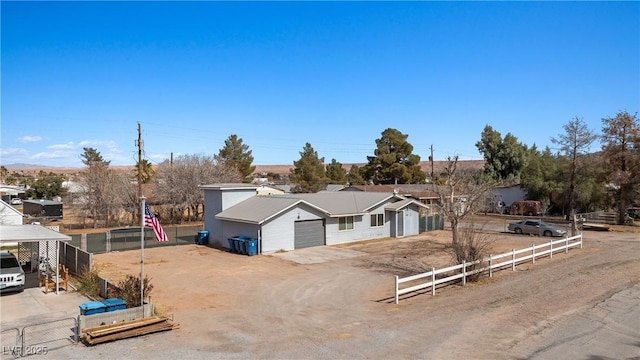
(124, 326)
(124, 332)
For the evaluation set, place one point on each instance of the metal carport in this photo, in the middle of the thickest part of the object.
(16, 234)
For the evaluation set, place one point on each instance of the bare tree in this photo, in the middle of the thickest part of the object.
(108, 197)
(463, 193)
(177, 183)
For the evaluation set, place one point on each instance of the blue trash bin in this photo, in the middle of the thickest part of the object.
(92, 308)
(203, 237)
(232, 245)
(114, 304)
(242, 245)
(252, 247)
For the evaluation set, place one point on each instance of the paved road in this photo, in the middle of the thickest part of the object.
(609, 330)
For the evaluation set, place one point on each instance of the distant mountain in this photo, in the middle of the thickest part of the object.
(24, 166)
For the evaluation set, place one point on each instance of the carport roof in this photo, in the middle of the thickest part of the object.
(29, 233)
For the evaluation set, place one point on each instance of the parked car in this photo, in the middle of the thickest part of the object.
(11, 274)
(526, 207)
(536, 227)
(16, 201)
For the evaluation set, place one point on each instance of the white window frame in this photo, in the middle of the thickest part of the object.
(377, 220)
(343, 223)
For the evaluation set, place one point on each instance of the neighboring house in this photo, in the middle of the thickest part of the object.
(428, 194)
(294, 221)
(503, 196)
(268, 190)
(334, 187)
(9, 215)
(8, 192)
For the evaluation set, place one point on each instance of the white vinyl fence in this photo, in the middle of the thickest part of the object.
(514, 257)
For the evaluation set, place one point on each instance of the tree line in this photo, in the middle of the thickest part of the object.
(567, 179)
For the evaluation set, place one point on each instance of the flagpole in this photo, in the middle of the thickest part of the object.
(142, 256)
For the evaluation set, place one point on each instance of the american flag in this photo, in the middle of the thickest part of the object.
(151, 221)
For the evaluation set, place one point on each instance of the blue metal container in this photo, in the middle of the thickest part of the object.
(92, 307)
(114, 304)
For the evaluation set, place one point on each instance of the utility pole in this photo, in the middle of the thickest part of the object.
(139, 144)
(431, 161)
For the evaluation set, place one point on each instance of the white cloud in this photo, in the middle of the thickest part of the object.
(67, 146)
(58, 154)
(13, 152)
(30, 138)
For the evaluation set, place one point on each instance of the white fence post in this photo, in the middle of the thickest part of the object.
(433, 281)
(533, 253)
(580, 240)
(454, 278)
(566, 245)
(396, 295)
(490, 266)
(464, 273)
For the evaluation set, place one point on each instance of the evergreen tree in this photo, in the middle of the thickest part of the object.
(356, 175)
(504, 158)
(621, 155)
(336, 173)
(574, 143)
(393, 161)
(308, 173)
(91, 157)
(238, 156)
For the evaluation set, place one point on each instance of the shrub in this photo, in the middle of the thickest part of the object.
(129, 289)
(472, 245)
(89, 282)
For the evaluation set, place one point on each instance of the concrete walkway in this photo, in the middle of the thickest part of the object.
(33, 306)
(318, 254)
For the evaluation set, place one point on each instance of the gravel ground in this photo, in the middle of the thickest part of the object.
(583, 304)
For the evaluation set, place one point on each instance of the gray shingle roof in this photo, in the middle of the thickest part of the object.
(259, 209)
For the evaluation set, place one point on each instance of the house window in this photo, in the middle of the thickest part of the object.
(345, 223)
(377, 220)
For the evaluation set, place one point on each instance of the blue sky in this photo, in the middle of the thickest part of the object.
(280, 74)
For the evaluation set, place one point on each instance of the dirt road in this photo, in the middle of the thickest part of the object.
(233, 306)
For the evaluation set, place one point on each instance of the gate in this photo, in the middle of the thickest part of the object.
(38, 339)
(10, 340)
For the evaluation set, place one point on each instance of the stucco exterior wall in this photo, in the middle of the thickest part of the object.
(215, 201)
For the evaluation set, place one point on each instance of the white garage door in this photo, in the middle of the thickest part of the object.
(309, 233)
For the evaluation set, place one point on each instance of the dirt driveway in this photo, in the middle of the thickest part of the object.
(234, 306)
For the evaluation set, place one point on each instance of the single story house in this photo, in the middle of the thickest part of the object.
(9, 215)
(503, 196)
(294, 221)
(8, 192)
